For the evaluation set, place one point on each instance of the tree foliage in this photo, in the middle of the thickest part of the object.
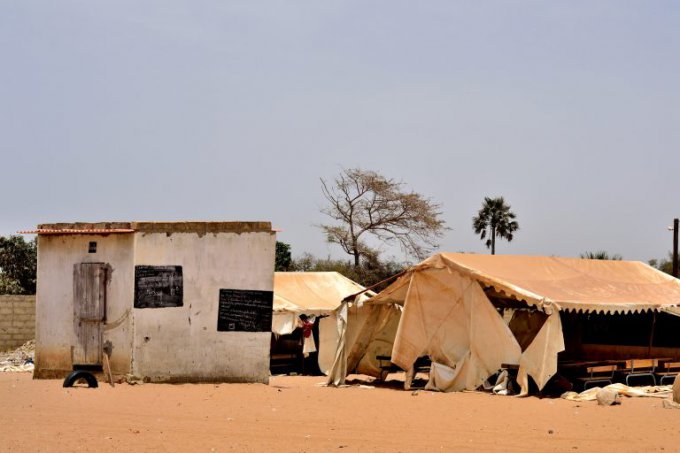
(365, 204)
(664, 264)
(18, 265)
(284, 260)
(9, 286)
(601, 255)
(371, 270)
(495, 219)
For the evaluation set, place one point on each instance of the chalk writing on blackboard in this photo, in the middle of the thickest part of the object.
(158, 286)
(242, 310)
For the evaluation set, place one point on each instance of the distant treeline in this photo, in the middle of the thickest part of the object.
(371, 269)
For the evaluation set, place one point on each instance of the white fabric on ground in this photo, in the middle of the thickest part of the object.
(442, 377)
(502, 383)
(659, 391)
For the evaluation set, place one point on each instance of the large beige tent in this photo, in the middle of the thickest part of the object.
(472, 313)
(318, 294)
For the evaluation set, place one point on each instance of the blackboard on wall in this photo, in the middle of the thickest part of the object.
(243, 310)
(158, 286)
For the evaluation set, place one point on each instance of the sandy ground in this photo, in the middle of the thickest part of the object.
(295, 414)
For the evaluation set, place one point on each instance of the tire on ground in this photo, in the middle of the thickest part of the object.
(78, 375)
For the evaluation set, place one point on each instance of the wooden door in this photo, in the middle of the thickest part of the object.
(89, 303)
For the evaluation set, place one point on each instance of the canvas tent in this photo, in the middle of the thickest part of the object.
(472, 313)
(313, 294)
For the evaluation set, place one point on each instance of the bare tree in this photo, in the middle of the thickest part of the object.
(365, 203)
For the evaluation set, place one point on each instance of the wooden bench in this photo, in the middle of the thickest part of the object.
(671, 369)
(286, 360)
(636, 368)
(283, 356)
(422, 365)
(602, 374)
(386, 366)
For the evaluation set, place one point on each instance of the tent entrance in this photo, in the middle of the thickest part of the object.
(523, 320)
(593, 336)
(288, 353)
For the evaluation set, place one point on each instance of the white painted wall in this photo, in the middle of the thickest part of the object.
(55, 326)
(182, 343)
(164, 344)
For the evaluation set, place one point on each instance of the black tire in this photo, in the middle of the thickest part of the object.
(81, 374)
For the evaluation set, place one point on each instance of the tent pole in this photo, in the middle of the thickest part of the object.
(353, 296)
(675, 247)
(651, 334)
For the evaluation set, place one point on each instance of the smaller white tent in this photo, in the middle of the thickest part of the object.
(313, 294)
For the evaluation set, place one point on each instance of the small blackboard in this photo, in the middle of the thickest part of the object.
(158, 286)
(243, 310)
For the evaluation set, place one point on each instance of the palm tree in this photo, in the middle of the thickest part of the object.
(495, 219)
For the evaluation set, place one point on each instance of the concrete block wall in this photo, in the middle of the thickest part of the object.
(17, 320)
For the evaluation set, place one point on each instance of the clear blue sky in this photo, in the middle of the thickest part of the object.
(169, 110)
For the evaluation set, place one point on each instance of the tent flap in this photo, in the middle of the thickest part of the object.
(364, 333)
(452, 321)
(539, 360)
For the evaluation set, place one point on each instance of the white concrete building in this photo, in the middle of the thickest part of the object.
(172, 301)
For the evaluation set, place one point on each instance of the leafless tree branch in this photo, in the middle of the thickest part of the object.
(366, 203)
